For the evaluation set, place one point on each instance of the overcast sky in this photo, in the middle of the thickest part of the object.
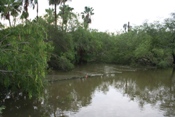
(110, 15)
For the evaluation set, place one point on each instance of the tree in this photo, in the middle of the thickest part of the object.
(24, 54)
(1, 6)
(86, 16)
(129, 26)
(10, 8)
(14, 8)
(66, 14)
(26, 3)
(49, 16)
(170, 29)
(55, 3)
(125, 27)
(37, 9)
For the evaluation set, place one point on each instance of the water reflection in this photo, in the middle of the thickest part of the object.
(120, 91)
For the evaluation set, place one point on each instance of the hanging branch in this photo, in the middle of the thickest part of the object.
(5, 71)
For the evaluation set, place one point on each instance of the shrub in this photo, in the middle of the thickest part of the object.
(23, 58)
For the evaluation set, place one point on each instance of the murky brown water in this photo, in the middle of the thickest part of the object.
(111, 91)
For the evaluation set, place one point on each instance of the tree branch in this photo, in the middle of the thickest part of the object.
(5, 71)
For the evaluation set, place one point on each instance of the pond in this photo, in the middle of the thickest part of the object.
(101, 90)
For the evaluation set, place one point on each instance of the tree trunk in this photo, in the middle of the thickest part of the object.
(173, 58)
(37, 10)
(128, 26)
(55, 15)
(10, 22)
(63, 17)
(14, 20)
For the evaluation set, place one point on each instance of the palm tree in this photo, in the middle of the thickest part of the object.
(86, 16)
(1, 4)
(26, 3)
(55, 3)
(66, 14)
(129, 26)
(49, 15)
(10, 8)
(37, 7)
(125, 26)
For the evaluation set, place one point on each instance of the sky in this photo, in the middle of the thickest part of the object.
(110, 15)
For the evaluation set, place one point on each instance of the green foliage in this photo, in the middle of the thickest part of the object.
(1, 108)
(49, 16)
(55, 3)
(86, 16)
(1, 26)
(52, 2)
(24, 55)
(147, 44)
(65, 13)
(144, 46)
(25, 5)
(10, 8)
(64, 63)
(63, 49)
(82, 44)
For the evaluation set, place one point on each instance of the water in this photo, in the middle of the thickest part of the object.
(101, 91)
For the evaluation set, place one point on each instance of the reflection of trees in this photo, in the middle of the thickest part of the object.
(168, 102)
(151, 87)
(155, 87)
(67, 96)
(143, 86)
(20, 107)
(60, 98)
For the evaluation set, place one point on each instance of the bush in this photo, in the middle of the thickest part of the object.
(23, 58)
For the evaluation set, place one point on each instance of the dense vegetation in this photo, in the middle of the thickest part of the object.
(24, 56)
(28, 49)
